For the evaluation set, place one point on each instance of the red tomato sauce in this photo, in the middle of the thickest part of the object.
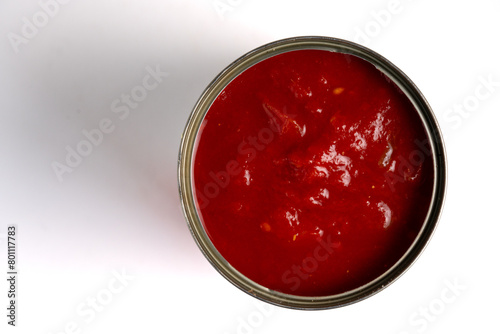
(313, 173)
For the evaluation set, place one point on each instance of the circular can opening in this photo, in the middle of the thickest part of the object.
(312, 172)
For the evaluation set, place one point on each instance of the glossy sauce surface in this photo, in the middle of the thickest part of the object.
(313, 173)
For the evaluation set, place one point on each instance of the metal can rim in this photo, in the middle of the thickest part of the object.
(188, 143)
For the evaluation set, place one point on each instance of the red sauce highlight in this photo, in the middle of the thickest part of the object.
(313, 173)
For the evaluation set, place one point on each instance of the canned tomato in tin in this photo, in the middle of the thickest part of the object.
(312, 172)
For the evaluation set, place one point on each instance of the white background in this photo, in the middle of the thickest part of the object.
(118, 210)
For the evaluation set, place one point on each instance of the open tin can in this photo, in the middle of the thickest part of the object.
(188, 193)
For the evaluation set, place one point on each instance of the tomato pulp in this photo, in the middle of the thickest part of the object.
(312, 173)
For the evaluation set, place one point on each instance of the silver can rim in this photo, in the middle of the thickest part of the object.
(187, 148)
